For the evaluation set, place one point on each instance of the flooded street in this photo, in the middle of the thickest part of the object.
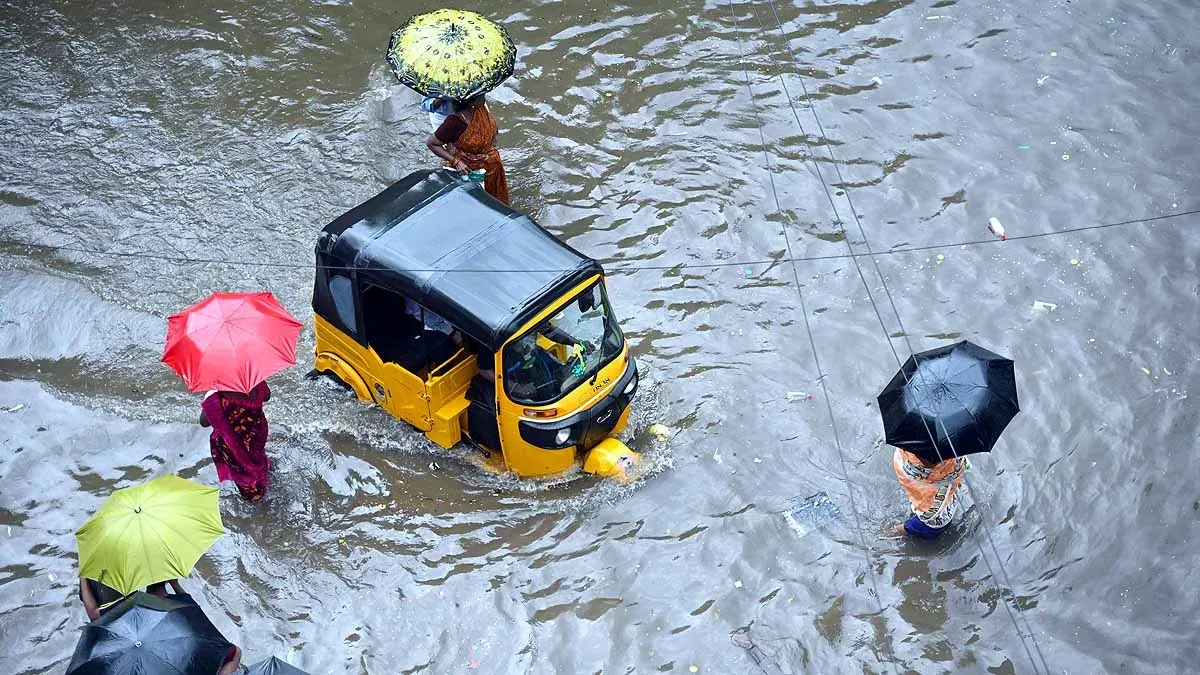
(152, 154)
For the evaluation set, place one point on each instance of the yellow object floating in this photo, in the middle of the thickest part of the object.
(660, 431)
(613, 459)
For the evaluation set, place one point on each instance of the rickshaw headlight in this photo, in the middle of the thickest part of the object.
(562, 436)
(633, 382)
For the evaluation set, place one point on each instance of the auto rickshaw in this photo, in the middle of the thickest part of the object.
(465, 318)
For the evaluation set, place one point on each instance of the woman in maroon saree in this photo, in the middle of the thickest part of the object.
(239, 438)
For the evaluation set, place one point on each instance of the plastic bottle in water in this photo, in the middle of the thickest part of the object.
(996, 228)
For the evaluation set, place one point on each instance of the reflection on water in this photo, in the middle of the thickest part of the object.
(237, 130)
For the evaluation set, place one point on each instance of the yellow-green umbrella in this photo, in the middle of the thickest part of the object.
(149, 533)
(451, 53)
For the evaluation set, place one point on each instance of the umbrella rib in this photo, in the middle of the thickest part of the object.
(413, 63)
(129, 523)
(165, 662)
(964, 407)
(161, 539)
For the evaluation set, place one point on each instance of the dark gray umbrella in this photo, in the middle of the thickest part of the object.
(950, 401)
(149, 635)
(273, 666)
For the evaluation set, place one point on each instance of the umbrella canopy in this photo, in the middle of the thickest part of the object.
(949, 402)
(231, 341)
(274, 666)
(149, 533)
(149, 635)
(451, 53)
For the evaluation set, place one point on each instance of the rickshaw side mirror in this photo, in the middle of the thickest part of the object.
(587, 301)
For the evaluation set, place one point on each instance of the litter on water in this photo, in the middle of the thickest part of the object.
(817, 510)
(1039, 306)
(15, 408)
(996, 228)
(660, 431)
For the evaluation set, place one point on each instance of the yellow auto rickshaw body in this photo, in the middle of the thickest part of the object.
(424, 305)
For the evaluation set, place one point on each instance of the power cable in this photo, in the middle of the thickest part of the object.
(900, 323)
(870, 571)
(612, 264)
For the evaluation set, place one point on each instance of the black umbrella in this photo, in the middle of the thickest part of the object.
(950, 401)
(149, 635)
(274, 666)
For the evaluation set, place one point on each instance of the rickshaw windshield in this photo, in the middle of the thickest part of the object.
(562, 351)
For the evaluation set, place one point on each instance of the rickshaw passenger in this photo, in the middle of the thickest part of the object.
(436, 341)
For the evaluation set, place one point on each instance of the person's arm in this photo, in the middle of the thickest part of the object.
(445, 135)
(435, 146)
(204, 419)
(232, 662)
(176, 587)
(89, 600)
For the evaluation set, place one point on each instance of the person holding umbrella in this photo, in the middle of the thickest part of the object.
(458, 56)
(932, 489)
(467, 142)
(229, 344)
(943, 404)
(149, 634)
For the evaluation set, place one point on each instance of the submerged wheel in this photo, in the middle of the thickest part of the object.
(329, 375)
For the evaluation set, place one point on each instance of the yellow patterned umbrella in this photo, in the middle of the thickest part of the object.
(451, 53)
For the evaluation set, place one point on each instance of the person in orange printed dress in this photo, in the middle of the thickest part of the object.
(932, 489)
(467, 141)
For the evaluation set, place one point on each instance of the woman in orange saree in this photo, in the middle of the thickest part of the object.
(467, 141)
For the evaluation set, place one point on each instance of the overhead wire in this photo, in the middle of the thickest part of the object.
(903, 331)
(612, 264)
(821, 379)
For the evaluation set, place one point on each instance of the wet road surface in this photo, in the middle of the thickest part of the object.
(687, 145)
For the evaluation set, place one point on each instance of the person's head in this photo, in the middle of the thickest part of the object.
(473, 102)
(159, 589)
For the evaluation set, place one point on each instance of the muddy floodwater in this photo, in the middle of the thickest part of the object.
(153, 152)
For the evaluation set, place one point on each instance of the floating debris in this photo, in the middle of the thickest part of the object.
(815, 510)
(660, 432)
(793, 396)
(1039, 306)
(1146, 371)
(996, 228)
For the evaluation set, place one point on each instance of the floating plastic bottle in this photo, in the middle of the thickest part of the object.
(996, 228)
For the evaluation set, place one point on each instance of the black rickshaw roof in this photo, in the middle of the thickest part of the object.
(462, 254)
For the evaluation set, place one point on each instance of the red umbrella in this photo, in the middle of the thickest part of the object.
(231, 341)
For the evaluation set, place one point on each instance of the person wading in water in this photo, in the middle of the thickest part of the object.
(467, 141)
(239, 438)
